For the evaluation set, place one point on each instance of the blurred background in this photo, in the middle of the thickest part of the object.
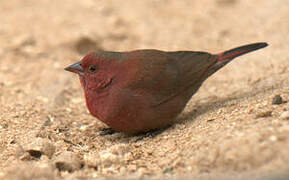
(38, 38)
(49, 34)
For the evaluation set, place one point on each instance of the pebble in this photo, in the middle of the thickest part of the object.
(277, 100)
(273, 138)
(262, 114)
(68, 161)
(113, 156)
(108, 159)
(38, 147)
(82, 127)
(168, 170)
(92, 160)
(285, 115)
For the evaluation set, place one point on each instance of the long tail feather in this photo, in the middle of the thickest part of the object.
(232, 53)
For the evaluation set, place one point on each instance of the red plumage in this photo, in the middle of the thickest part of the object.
(142, 90)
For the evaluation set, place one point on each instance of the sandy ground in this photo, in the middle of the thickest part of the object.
(229, 129)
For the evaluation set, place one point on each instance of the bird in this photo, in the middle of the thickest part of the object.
(143, 90)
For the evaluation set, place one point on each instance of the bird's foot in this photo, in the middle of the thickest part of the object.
(151, 134)
(107, 131)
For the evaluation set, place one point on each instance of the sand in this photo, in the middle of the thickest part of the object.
(230, 129)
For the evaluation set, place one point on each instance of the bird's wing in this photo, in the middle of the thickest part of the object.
(166, 75)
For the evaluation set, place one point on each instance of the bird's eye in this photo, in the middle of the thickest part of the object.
(92, 68)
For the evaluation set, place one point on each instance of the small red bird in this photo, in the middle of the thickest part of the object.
(142, 90)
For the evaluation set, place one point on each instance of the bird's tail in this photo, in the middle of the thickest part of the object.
(232, 53)
(225, 57)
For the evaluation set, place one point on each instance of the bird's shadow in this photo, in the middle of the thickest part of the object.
(202, 108)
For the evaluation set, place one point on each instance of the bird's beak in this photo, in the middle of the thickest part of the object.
(75, 68)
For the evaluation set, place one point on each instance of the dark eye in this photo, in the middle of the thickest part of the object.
(92, 68)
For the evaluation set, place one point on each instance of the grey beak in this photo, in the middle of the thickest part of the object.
(75, 68)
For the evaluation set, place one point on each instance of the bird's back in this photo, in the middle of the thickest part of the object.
(168, 74)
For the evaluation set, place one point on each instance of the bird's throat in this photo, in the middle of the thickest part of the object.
(96, 103)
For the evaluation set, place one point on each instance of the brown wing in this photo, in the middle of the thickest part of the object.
(167, 74)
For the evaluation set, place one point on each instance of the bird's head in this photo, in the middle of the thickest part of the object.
(96, 71)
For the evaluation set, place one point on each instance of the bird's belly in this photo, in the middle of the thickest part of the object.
(137, 115)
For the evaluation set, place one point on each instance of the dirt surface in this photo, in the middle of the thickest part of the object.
(229, 129)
